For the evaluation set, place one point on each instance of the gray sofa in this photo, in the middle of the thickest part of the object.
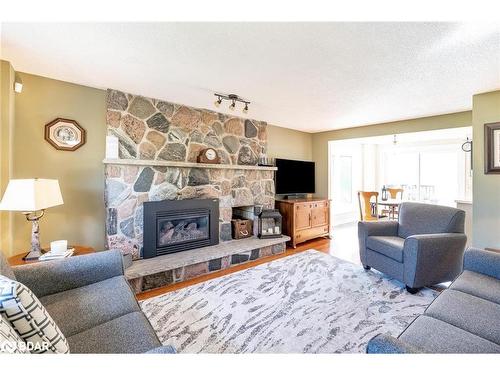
(465, 318)
(91, 302)
(424, 247)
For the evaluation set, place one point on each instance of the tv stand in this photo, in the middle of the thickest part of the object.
(304, 218)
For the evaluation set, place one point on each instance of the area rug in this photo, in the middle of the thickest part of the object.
(310, 302)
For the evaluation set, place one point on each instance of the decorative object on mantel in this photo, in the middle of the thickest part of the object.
(270, 224)
(65, 134)
(112, 147)
(32, 197)
(492, 148)
(209, 156)
(233, 98)
(242, 228)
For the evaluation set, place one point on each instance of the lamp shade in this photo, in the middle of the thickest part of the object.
(31, 195)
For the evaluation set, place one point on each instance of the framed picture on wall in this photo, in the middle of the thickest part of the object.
(65, 134)
(492, 148)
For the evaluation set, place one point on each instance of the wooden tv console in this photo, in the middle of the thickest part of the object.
(304, 219)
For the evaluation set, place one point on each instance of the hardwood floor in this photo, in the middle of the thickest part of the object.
(321, 244)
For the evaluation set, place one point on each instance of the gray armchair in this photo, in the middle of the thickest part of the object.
(424, 247)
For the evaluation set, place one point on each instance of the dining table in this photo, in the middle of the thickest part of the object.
(392, 205)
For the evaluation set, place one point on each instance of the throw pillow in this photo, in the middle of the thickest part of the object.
(22, 309)
(10, 342)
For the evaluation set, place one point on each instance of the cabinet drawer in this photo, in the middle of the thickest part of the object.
(310, 233)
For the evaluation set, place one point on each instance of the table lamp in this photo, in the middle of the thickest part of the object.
(32, 197)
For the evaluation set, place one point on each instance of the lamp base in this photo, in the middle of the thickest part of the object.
(33, 255)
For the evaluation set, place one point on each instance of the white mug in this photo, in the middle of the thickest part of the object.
(58, 247)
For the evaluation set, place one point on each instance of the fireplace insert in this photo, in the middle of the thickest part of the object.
(173, 226)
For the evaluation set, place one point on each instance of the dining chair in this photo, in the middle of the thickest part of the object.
(368, 206)
(394, 192)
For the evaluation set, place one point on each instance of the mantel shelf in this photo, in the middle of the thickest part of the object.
(181, 164)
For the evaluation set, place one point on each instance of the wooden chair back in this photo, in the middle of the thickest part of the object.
(393, 192)
(366, 211)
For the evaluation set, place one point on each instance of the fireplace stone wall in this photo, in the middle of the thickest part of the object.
(151, 129)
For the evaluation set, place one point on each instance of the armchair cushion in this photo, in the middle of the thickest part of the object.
(69, 273)
(419, 218)
(77, 310)
(478, 285)
(389, 246)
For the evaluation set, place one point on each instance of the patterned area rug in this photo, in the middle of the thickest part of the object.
(310, 302)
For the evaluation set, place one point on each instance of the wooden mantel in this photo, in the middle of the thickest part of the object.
(181, 164)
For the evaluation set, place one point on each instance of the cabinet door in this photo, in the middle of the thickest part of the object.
(319, 214)
(302, 216)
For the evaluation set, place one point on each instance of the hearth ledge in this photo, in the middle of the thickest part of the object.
(181, 164)
(144, 267)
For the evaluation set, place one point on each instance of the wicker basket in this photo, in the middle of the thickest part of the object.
(242, 228)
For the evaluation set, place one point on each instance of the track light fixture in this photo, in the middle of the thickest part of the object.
(233, 98)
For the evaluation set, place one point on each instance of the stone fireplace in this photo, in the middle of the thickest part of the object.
(158, 147)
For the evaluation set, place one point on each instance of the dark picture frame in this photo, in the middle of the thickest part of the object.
(492, 148)
(65, 134)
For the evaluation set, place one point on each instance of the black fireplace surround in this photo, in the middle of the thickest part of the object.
(173, 226)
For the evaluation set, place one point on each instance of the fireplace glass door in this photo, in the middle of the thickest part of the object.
(179, 230)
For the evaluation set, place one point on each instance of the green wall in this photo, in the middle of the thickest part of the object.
(80, 173)
(7, 100)
(288, 144)
(320, 140)
(486, 188)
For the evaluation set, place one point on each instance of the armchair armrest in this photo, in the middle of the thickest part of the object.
(433, 258)
(374, 228)
(482, 261)
(385, 344)
(56, 276)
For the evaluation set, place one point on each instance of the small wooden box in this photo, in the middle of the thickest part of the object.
(242, 228)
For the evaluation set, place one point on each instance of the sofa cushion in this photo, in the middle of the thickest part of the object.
(435, 336)
(389, 246)
(130, 333)
(29, 318)
(77, 310)
(419, 218)
(467, 312)
(478, 285)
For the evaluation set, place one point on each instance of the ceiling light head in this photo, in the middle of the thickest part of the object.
(245, 110)
(232, 106)
(218, 102)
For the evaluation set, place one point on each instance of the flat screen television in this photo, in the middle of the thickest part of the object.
(294, 177)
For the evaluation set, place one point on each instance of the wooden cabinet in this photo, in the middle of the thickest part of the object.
(304, 219)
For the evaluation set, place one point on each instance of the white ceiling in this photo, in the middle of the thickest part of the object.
(306, 76)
